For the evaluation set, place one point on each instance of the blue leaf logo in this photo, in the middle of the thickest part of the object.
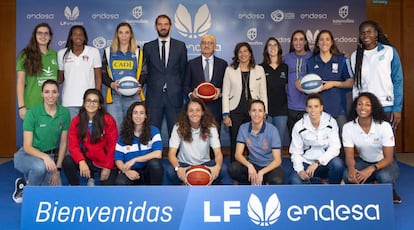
(267, 216)
(71, 14)
(184, 25)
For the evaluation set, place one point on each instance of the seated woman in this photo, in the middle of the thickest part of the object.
(263, 164)
(193, 134)
(43, 127)
(315, 146)
(139, 149)
(92, 140)
(369, 133)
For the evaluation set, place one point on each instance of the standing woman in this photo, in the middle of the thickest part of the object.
(138, 152)
(276, 80)
(123, 58)
(369, 133)
(79, 69)
(378, 70)
(263, 164)
(243, 81)
(35, 64)
(296, 59)
(44, 127)
(331, 66)
(92, 140)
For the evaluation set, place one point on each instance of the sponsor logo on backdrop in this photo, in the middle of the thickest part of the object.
(104, 16)
(40, 16)
(311, 37)
(137, 13)
(99, 42)
(188, 28)
(343, 13)
(251, 16)
(314, 16)
(71, 15)
(272, 211)
(279, 15)
(252, 35)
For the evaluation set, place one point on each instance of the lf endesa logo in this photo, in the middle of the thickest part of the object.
(272, 211)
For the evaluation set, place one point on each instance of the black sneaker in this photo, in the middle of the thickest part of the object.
(396, 197)
(18, 191)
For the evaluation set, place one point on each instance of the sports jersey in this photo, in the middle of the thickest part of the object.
(33, 84)
(260, 146)
(368, 145)
(297, 69)
(335, 69)
(381, 74)
(198, 151)
(125, 152)
(45, 128)
(310, 144)
(79, 74)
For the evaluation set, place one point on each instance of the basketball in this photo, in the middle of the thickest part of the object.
(311, 83)
(198, 175)
(206, 91)
(128, 86)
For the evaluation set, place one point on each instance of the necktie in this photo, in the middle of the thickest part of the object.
(163, 52)
(207, 71)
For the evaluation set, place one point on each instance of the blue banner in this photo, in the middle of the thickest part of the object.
(211, 207)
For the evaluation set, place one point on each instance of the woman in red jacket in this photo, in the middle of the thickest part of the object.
(92, 139)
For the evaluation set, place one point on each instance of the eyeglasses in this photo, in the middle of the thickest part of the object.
(40, 33)
(92, 102)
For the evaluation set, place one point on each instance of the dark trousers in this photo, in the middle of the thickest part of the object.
(240, 173)
(151, 174)
(293, 117)
(162, 108)
(71, 170)
(237, 119)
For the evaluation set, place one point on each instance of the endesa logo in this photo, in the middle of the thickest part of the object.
(105, 16)
(40, 16)
(273, 211)
(314, 16)
(251, 16)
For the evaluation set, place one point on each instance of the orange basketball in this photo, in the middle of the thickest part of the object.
(198, 175)
(206, 91)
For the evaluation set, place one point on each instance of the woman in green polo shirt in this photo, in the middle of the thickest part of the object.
(43, 127)
(35, 64)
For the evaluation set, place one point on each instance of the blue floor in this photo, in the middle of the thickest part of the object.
(10, 211)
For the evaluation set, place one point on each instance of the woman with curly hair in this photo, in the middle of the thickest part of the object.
(369, 133)
(92, 140)
(193, 134)
(36, 63)
(139, 149)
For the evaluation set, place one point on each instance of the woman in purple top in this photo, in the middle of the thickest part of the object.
(296, 59)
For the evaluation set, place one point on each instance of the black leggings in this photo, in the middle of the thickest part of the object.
(151, 174)
(71, 170)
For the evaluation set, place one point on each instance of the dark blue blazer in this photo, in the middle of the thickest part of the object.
(195, 75)
(173, 74)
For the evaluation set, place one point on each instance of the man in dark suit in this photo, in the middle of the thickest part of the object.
(166, 60)
(197, 73)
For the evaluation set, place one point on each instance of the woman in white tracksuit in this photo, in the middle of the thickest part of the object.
(315, 146)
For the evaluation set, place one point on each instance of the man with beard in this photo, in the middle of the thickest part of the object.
(166, 60)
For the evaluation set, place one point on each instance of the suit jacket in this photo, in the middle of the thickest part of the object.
(195, 75)
(159, 74)
(232, 87)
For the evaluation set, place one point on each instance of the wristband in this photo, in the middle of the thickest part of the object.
(176, 168)
(375, 167)
(59, 169)
(21, 107)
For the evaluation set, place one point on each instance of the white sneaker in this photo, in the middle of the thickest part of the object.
(18, 191)
(91, 182)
